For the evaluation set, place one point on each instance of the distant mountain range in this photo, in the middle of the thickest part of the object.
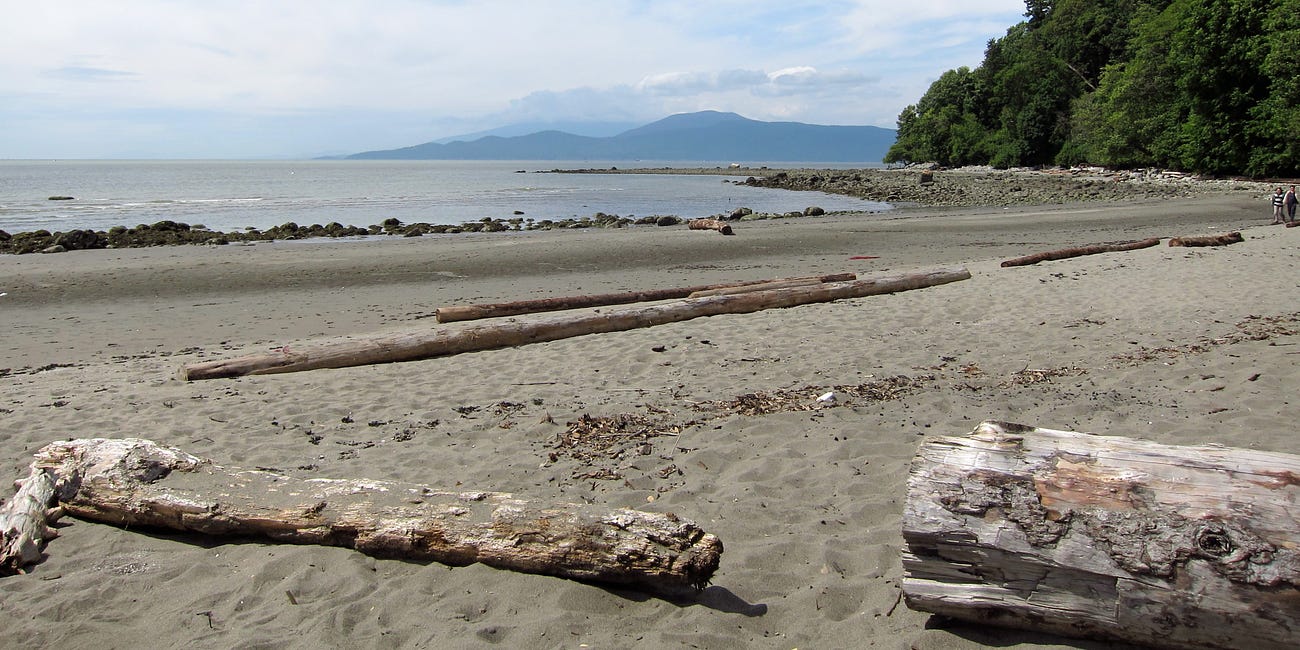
(704, 136)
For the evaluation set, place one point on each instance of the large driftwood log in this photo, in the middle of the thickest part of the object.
(495, 310)
(1093, 249)
(1207, 240)
(425, 344)
(25, 522)
(133, 482)
(1106, 537)
(710, 224)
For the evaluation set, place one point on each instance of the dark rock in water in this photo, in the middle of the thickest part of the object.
(668, 220)
(76, 240)
(54, 249)
(62, 198)
(169, 226)
(813, 211)
(4, 236)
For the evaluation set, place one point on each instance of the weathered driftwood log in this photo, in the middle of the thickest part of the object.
(1106, 537)
(427, 344)
(1079, 251)
(135, 483)
(25, 522)
(1207, 240)
(494, 310)
(710, 224)
(751, 288)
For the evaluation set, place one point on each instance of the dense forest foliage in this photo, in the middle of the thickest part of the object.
(1207, 86)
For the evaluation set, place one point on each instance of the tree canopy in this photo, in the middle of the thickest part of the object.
(1208, 86)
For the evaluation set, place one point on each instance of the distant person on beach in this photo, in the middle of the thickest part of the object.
(1290, 202)
(1278, 201)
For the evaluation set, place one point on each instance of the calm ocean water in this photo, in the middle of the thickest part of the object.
(233, 195)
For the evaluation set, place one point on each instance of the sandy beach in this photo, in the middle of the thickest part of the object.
(1174, 345)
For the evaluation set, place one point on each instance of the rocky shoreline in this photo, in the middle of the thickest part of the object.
(976, 186)
(913, 186)
(172, 233)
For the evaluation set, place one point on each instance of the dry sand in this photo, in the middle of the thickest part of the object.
(1174, 345)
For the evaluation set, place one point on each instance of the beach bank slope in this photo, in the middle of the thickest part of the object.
(1183, 346)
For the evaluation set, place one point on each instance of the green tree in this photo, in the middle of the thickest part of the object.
(1219, 49)
(938, 127)
(1208, 86)
(1132, 118)
(1275, 121)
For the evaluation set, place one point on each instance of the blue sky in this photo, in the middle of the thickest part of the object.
(303, 78)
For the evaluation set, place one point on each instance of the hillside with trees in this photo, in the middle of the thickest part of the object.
(1208, 86)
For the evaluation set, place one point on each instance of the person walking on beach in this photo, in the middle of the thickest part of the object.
(1278, 201)
(1290, 202)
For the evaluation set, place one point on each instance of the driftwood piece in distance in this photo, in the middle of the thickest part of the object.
(495, 310)
(426, 344)
(710, 224)
(25, 522)
(1106, 537)
(1207, 240)
(1079, 251)
(138, 483)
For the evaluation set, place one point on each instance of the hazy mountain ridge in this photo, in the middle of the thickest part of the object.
(707, 135)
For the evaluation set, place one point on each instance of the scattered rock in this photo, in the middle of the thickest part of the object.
(980, 186)
(76, 240)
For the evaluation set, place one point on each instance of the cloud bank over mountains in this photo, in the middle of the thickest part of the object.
(243, 78)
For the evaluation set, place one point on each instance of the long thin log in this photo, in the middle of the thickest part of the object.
(710, 224)
(496, 310)
(1079, 251)
(25, 522)
(1106, 537)
(751, 288)
(133, 482)
(427, 344)
(1207, 240)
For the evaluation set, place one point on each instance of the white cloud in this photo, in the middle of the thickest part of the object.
(467, 62)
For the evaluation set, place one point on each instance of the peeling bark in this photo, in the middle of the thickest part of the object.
(1106, 537)
(25, 522)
